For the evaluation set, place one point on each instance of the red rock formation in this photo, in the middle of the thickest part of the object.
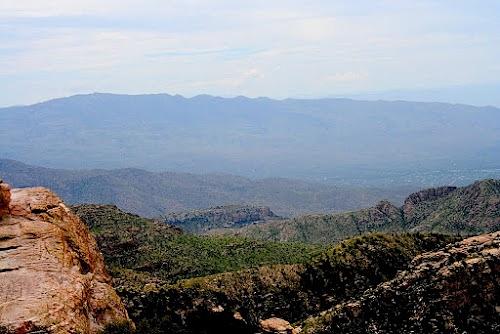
(51, 272)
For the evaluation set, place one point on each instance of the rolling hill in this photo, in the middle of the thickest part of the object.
(173, 282)
(202, 221)
(178, 283)
(466, 210)
(136, 248)
(153, 194)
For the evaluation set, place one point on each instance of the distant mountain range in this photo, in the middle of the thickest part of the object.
(307, 139)
(467, 210)
(157, 194)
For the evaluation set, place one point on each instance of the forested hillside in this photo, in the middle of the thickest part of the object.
(467, 210)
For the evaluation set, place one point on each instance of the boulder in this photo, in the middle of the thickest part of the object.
(276, 325)
(52, 275)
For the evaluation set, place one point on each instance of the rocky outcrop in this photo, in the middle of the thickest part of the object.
(426, 195)
(381, 217)
(220, 217)
(52, 275)
(453, 290)
(277, 326)
(474, 209)
(469, 210)
(239, 301)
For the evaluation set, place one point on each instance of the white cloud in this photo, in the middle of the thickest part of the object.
(315, 29)
(278, 48)
(44, 8)
(349, 77)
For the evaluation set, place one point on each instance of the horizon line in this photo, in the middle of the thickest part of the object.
(232, 97)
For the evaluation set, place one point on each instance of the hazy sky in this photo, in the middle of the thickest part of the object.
(254, 48)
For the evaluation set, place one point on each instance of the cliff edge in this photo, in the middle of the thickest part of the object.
(52, 276)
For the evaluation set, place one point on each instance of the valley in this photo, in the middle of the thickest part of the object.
(465, 210)
(310, 272)
(313, 274)
(249, 167)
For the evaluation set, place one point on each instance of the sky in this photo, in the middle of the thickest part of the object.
(396, 49)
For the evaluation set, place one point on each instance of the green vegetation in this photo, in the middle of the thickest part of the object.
(384, 217)
(234, 302)
(350, 267)
(468, 210)
(231, 302)
(202, 221)
(29, 329)
(144, 250)
(124, 327)
(179, 283)
(453, 290)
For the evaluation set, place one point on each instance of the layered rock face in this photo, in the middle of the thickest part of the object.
(52, 275)
(453, 290)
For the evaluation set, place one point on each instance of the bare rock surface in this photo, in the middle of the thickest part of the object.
(52, 275)
(220, 217)
(453, 290)
(276, 326)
